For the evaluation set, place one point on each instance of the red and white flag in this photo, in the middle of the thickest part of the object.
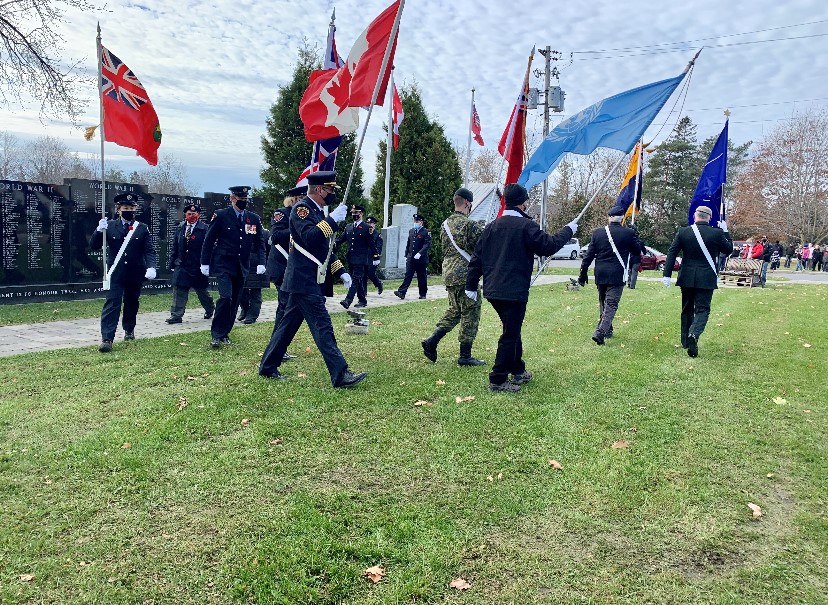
(475, 126)
(330, 105)
(398, 115)
(512, 144)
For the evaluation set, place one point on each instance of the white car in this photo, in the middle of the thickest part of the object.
(570, 250)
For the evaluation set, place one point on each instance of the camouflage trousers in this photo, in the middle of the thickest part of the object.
(464, 311)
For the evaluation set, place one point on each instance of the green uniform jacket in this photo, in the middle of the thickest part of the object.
(466, 232)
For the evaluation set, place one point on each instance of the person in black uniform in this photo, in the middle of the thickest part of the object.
(233, 236)
(362, 253)
(697, 275)
(127, 273)
(378, 242)
(612, 247)
(185, 260)
(250, 301)
(504, 257)
(311, 268)
(416, 258)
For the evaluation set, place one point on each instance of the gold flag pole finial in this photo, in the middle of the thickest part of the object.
(727, 114)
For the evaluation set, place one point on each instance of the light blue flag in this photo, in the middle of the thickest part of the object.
(617, 122)
(713, 177)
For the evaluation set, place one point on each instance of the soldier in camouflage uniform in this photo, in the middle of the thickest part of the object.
(459, 236)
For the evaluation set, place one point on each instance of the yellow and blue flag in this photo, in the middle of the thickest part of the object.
(629, 198)
(712, 180)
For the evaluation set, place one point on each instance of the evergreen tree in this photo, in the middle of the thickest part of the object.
(424, 170)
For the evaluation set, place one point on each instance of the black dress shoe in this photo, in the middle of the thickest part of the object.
(598, 337)
(226, 341)
(287, 356)
(350, 379)
(380, 288)
(208, 315)
(240, 317)
(249, 321)
(129, 335)
(173, 320)
(106, 346)
(360, 305)
(422, 298)
(274, 375)
(692, 345)
(345, 304)
(215, 343)
(400, 295)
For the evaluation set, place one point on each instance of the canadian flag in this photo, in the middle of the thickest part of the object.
(330, 105)
(398, 115)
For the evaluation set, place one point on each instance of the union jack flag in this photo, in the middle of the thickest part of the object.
(120, 83)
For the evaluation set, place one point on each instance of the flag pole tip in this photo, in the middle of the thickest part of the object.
(727, 113)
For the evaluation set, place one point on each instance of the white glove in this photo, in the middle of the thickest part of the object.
(205, 270)
(665, 281)
(260, 269)
(346, 279)
(376, 262)
(150, 274)
(723, 226)
(472, 294)
(339, 213)
(574, 226)
(102, 224)
(417, 256)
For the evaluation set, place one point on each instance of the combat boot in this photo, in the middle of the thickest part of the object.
(430, 344)
(466, 358)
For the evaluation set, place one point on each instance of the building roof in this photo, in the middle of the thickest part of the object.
(486, 202)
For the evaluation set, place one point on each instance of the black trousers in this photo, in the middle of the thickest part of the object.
(371, 274)
(359, 283)
(608, 299)
(128, 293)
(311, 308)
(509, 357)
(229, 288)
(411, 267)
(250, 303)
(695, 310)
(180, 296)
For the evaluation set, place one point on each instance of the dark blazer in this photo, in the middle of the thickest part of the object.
(505, 254)
(695, 271)
(378, 241)
(311, 229)
(279, 234)
(185, 256)
(137, 258)
(229, 243)
(418, 241)
(361, 247)
(608, 271)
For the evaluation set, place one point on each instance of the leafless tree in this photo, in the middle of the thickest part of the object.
(10, 148)
(169, 176)
(32, 64)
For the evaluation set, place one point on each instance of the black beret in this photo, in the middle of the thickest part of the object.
(465, 194)
(127, 199)
(322, 177)
(297, 191)
(240, 191)
(514, 194)
(617, 211)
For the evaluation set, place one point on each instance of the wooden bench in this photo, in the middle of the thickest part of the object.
(742, 272)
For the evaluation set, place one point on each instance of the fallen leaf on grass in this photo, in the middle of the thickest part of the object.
(376, 322)
(806, 345)
(244, 373)
(459, 584)
(464, 399)
(27, 577)
(126, 446)
(375, 573)
(757, 510)
(302, 375)
(770, 475)
(780, 400)
(621, 444)
(245, 422)
(307, 349)
(191, 378)
(183, 402)
(210, 584)
(555, 464)
(277, 442)
(205, 375)
(806, 411)
(423, 403)
(183, 344)
(441, 382)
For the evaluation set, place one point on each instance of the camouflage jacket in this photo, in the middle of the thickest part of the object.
(466, 233)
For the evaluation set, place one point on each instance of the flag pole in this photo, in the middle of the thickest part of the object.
(468, 144)
(722, 216)
(385, 59)
(105, 281)
(389, 143)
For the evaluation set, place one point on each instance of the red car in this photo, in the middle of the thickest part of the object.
(653, 260)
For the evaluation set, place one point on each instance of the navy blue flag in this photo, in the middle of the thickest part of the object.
(713, 177)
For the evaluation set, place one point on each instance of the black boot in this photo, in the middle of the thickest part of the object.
(430, 344)
(466, 358)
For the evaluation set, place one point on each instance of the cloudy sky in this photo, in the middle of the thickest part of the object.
(212, 69)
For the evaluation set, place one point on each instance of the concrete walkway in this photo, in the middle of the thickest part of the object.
(49, 336)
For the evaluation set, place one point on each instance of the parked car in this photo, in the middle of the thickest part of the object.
(653, 260)
(570, 250)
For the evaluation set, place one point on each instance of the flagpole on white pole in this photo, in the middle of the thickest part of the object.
(468, 144)
(385, 59)
(389, 143)
(104, 281)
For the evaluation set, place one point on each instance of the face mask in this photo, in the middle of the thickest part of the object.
(128, 215)
(355, 217)
(241, 204)
(331, 198)
(191, 219)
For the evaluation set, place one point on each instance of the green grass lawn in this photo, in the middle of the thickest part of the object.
(169, 473)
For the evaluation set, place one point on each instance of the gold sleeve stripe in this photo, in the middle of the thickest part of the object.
(325, 227)
(336, 266)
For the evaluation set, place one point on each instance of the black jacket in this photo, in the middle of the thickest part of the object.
(505, 254)
(361, 247)
(378, 241)
(695, 271)
(230, 243)
(279, 235)
(137, 258)
(185, 256)
(418, 242)
(608, 270)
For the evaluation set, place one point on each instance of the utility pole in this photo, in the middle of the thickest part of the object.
(547, 55)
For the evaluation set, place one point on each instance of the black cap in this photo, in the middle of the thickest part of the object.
(419, 217)
(191, 208)
(616, 211)
(465, 194)
(296, 191)
(371, 220)
(322, 177)
(357, 208)
(240, 191)
(514, 194)
(127, 199)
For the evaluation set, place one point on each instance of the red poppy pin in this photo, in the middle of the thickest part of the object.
(248, 220)
(192, 237)
(130, 227)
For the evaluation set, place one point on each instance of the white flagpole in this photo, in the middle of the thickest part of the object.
(105, 282)
(389, 143)
(468, 144)
(385, 59)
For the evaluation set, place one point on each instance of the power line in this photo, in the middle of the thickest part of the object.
(760, 104)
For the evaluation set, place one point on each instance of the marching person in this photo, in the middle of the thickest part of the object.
(378, 242)
(233, 236)
(612, 247)
(362, 253)
(185, 260)
(250, 300)
(131, 259)
(699, 244)
(311, 268)
(504, 257)
(416, 258)
(459, 236)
